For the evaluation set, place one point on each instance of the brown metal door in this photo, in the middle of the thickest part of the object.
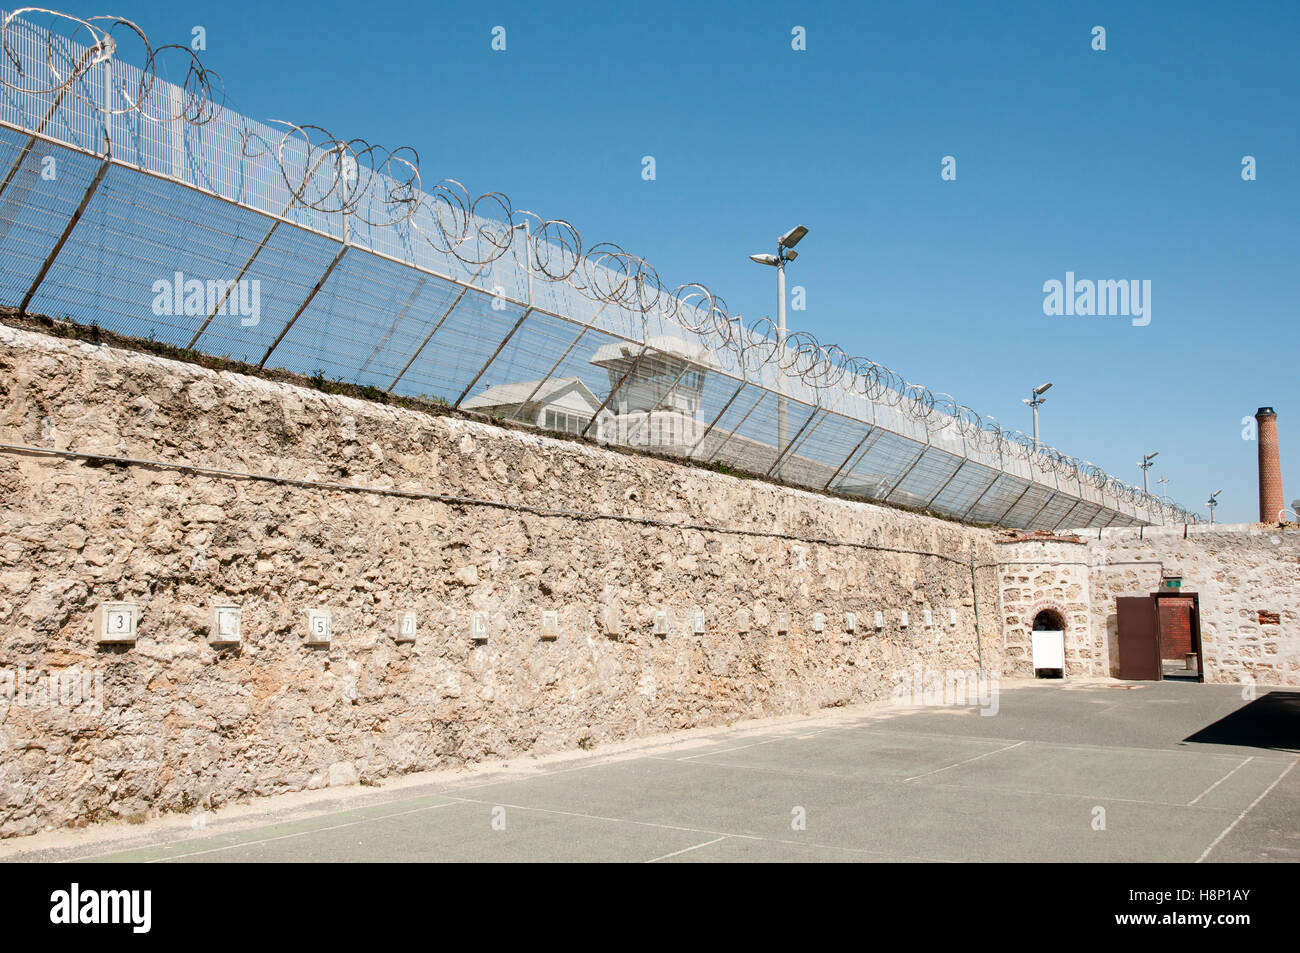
(1139, 638)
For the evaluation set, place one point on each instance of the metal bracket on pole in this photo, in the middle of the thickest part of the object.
(709, 429)
(303, 307)
(614, 390)
(792, 441)
(67, 232)
(482, 370)
(434, 330)
(870, 431)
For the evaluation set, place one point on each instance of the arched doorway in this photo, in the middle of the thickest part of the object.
(1048, 644)
(1049, 620)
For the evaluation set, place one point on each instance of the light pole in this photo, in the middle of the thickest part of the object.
(784, 252)
(1212, 502)
(1036, 400)
(1146, 465)
(1164, 494)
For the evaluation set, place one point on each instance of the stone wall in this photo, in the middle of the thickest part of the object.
(1237, 571)
(1047, 575)
(172, 723)
(1246, 576)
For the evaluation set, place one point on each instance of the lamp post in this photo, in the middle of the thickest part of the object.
(784, 252)
(1036, 400)
(1146, 465)
(1212, 502)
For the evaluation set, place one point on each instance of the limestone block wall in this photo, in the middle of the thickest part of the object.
(1238, 571)
(173, 723)
(1039, 575)
(1247, 579)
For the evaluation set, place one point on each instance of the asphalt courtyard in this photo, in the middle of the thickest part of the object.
(1081, 770)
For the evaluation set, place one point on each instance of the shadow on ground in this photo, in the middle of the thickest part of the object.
(1272, 721)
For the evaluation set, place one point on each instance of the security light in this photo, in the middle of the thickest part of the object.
(765, 259)
(1042, 388)
(792, 237)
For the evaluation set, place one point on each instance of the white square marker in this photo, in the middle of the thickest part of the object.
(478, 627)
(226, 625)
(819, 622)
(661, 623)
(952, 616)
(850, 622)
(782, 623)
(320, 626)
(699, 623)
(902, 619)
(880, 619)
(116, 622)
(550, 624)
(927, 617)
(743, 621)
(408, 626)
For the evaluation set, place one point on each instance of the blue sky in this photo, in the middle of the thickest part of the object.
(1122, 164)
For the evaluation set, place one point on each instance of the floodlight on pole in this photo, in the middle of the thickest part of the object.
(784, 253)
(1212, 502)
(1146, 465)
(1036, 400)
(792, 237)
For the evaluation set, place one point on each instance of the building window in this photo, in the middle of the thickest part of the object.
(566, 422)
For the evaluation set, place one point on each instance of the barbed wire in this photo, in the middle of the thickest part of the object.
(384, 188)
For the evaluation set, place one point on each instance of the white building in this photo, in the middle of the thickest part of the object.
(658, 404)
(565, 404)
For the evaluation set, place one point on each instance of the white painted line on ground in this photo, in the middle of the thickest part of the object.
(697, 830)
(1228, 829)
(1221, 780)
(706, 754)
(686, 850)
(958, 764)
(314, 830)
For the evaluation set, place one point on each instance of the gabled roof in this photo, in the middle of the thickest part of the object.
(505, 395)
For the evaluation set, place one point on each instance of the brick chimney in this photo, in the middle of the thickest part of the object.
(1270, 467)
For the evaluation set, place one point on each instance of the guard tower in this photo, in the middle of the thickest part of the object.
(658, 405)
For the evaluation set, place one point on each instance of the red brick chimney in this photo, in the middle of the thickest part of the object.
(1270, 467)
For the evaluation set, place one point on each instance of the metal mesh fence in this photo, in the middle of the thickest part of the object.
(150, 208)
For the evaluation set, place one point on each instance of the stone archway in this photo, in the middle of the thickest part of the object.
(1048, 618)
(1047, 639)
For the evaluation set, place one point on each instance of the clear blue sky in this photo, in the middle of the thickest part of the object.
(1117, 164)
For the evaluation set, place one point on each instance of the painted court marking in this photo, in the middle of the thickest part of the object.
(1228, 829)
(958, 764)
(1221, 780)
